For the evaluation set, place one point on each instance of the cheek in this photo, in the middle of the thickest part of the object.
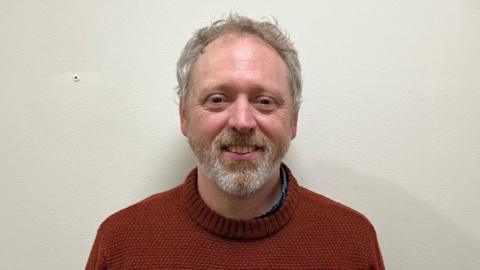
(208, 125)
(275, 128)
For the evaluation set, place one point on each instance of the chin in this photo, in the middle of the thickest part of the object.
(244, 180)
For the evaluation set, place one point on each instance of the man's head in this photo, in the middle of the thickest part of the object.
(239, 89)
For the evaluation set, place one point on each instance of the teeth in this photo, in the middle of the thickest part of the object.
(240, 149)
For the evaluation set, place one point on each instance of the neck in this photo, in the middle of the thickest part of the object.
(239, 207)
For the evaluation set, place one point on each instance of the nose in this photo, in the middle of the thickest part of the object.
(241, 116)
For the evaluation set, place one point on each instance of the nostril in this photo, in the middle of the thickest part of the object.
(243, 129)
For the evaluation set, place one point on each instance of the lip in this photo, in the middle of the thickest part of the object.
(247, 156)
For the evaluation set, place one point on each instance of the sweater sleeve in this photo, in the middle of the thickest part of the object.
(376, 258)
(96, 259)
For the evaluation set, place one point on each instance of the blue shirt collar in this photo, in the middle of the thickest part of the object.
(283, 193)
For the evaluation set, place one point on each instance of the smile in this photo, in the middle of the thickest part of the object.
(241, 149)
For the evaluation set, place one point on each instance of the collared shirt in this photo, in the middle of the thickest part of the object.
(283, 194)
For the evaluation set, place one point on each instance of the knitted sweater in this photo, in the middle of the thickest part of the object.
(176, 230)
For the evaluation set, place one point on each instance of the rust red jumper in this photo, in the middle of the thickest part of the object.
(176, 230)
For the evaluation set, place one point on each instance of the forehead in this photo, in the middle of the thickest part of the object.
(249, 51)
(240, 58)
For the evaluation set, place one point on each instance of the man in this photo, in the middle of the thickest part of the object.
(241, 208)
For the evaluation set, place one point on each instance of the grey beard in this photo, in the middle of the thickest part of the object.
(242, 179)
(239, 183)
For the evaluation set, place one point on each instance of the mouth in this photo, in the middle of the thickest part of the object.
(242, 149)
(242, 152)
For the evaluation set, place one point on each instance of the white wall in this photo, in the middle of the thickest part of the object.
(389, 124)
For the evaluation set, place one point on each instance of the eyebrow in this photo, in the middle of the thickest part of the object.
(225, 88)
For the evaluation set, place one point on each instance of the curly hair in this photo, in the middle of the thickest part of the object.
(269, 32)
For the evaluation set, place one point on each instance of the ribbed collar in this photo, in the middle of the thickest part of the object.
(238, 229)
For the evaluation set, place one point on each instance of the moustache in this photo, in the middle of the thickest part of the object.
(234, 138)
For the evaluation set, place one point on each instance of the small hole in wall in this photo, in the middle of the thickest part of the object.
(76, 78)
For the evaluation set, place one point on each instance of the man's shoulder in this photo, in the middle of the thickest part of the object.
(153, 208)
(321, 207)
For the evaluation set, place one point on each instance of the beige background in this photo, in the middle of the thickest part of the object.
(389, 124)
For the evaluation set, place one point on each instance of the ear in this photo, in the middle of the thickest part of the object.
(183, 119)
(294, 125)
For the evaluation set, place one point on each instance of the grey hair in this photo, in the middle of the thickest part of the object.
(267, 31)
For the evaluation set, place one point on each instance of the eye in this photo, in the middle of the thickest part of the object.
(266, 103)
(215, 102)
